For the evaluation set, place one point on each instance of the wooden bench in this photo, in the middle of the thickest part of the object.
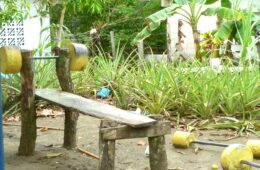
(115, 124)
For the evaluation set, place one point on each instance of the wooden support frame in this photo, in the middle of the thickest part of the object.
(28, 129)
(66, 84)
(127, 132)
(110, 131)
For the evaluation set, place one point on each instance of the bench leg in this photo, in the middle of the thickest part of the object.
(107, 155)
(106, 148)
(158, 157)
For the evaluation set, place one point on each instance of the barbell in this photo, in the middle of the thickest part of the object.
(182, 139)
(237, 157)
(11, 58)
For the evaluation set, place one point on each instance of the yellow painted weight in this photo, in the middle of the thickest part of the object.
(232, 156)
(78, 54)
(255, 147)
(182, 139)
(11, 59)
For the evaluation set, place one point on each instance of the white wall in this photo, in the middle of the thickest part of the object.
(32, 30)
(205, 24)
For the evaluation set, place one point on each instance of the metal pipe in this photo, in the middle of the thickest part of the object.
(250, 163)
(210, 143)
(2, 167)
(45, 58)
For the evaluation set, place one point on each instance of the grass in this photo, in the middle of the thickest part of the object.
(159, 88)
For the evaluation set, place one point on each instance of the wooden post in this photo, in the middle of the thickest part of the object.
(113, 44)
(140, 48)
(106, 148)
(158, 157)
(28, 129)
(71, 117)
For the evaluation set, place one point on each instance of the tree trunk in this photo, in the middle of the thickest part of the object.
(62, 16)
(228, 49)
(113, 44)
(71, 117)
(196, 36)
(215, 51)
(28, 129)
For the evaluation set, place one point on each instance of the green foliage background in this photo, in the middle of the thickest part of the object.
(125, 18)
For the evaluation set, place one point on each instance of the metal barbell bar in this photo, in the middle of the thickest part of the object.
(11, 58)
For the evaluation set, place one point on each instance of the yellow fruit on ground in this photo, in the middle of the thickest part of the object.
(182, 139)
(233, 155)
(11, 59)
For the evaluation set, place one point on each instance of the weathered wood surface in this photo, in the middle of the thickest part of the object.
(107, 149)
(93, 108)
(127, 132)
(158, 157)
(28, 114)
(71, 117)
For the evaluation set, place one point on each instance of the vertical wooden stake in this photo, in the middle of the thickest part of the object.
(106, 150)
(158, 157)
(71, 117)
(140, 48)
(28, 129)
(113, 44)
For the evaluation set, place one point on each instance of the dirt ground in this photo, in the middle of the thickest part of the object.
(129, 153)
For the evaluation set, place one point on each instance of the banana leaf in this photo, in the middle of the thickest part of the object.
(226, 3)
(224, 13)
(224, 31)
(153, 21)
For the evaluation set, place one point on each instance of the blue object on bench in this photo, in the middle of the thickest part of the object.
(2, 167)
(103, 93)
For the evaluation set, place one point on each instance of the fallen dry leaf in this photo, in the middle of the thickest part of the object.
(181, 152)
(51, 155)
(196, 150)
(48, 146)
(177, 168)
(141, 143)
(44, 129)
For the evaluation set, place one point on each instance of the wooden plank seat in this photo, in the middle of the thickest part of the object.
(116, 124)
(93, 108)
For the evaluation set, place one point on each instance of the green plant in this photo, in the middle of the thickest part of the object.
(13, 10)
(152, 89)
(235, 24)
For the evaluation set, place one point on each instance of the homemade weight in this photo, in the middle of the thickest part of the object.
(182, 139)
(78, 54)
(11, 59)
(255, 147)
(185, 139)
(237, 157)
